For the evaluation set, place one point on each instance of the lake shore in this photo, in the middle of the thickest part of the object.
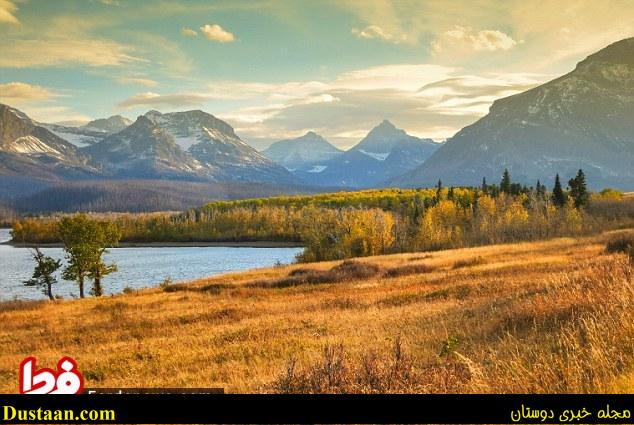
(253, 244)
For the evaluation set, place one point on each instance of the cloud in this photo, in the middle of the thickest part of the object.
(217, 33)
(174, 100)
(427, 100)
(188, 32)
(236, 90)
(374, 31)
(56, 114)
(63, 51)
(465, 37)
(138, 81)
(7, 12)
(20, 92)
(406, 77)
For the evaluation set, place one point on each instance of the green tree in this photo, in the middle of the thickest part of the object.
(44, 272)
(108, 235)
(85, 241)
(559, 197)
(438, 190)
(540, 189)
(579, 190)
(505, 184)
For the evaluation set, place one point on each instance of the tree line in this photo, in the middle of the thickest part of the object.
(374, 222)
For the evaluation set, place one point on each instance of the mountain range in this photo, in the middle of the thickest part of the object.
(584, 119)
(191, 145)
(580, 120)
(385, 152)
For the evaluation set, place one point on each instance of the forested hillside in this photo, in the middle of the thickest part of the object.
(352, 224)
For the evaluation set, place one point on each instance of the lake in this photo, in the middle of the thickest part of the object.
(138, 267)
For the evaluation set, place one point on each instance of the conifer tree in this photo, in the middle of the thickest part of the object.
(579, 190)
(438, 190)
(505, 184)
(559, 197)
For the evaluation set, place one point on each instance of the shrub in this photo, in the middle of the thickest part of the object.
(346, 271)
(623, 242)
(168, 286)
(396, 372)
(408, 270)
(469, 262)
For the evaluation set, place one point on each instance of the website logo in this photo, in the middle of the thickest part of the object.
(66, 380)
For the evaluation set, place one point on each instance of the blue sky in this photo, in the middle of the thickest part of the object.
(276, 69)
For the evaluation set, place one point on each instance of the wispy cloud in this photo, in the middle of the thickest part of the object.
(174, 100)
(63, 52)
(375, 31)
(428, 100)
(7, 12)
(217, 33)
(19, 92)
(465, 37)
(147, 82)
(56, 114)
(188, 32)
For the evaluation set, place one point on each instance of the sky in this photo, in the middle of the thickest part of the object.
(275, 69)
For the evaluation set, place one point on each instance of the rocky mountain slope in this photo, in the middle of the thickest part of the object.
(214, 145)
(29, 150)
(143, 150)
(304, 151)
(91, 133)
(583, 119)
(384, 153)
(110, 125)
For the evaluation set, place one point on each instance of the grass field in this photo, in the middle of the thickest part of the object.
(553, 316)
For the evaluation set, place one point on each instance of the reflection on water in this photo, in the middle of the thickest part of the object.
(138, 267)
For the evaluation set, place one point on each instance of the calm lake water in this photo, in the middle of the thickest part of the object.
(138, 267)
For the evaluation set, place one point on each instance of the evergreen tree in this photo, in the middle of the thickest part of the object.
(43, 274)
(438, 190)
(484, 184)
(579, 190)
(505, 184)
(559, 197)
(540, 189)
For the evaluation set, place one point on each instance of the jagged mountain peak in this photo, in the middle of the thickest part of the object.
(309, 149)
(382, 139)
(6, 109)
(580, 120)
(28, 147)
(143, 121)
(108, 125)
(310, 136)
(192, 118)
(386, 124)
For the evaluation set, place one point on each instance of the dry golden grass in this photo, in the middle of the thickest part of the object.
(553, 316)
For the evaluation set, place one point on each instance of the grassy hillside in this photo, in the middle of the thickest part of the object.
(553, 316)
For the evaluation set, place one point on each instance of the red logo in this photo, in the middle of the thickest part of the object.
(67, 379)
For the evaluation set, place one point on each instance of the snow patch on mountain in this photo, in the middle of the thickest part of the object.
(317, 168)
(377, 156)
